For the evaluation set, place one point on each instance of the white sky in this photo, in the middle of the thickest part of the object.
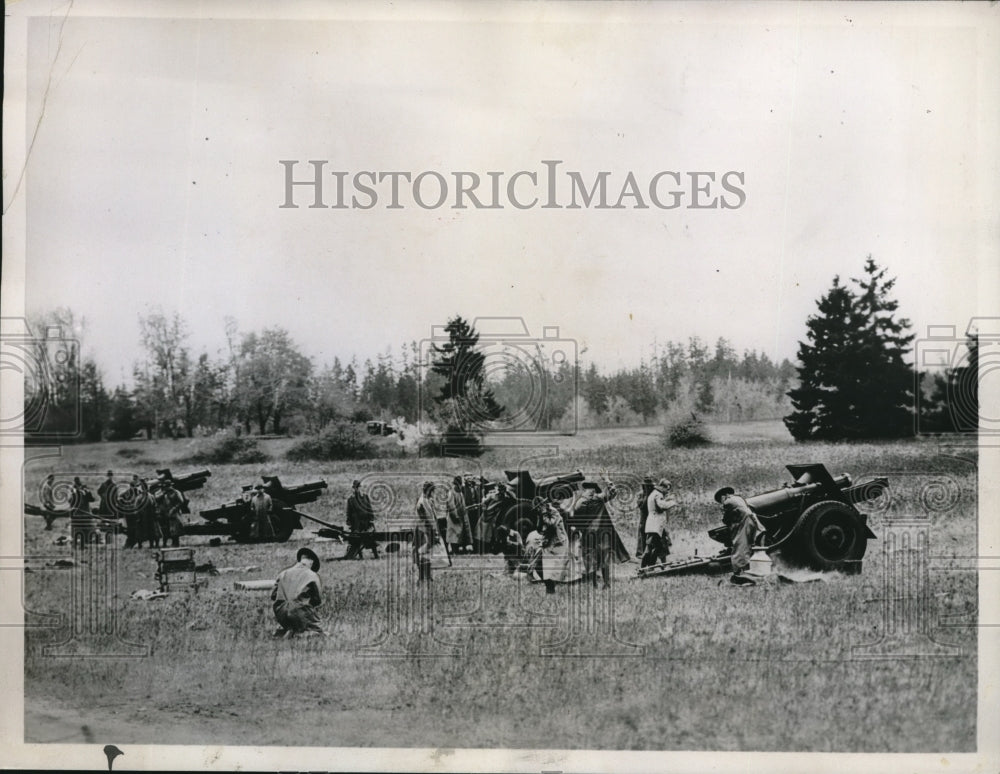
(154, 178)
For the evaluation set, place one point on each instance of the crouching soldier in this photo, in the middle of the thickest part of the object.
(296, 596)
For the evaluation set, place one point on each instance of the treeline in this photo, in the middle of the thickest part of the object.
(261, 383)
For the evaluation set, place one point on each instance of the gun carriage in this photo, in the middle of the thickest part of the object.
(237, 518)
(811, 522)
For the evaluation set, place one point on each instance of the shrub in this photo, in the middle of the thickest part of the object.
(687, 433)
(227, 447)
(338, 441)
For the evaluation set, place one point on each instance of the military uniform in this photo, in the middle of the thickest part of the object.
(106, 492)
(261, 504)
(425, 534)
(297, 594)
(360, 520)
(744, 528)
(169, 505)
(561, 561)
(459, 533)
(657, 536)
(590, 517)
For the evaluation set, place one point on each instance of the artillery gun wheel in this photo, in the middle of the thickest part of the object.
(284, 528)
(828, 535)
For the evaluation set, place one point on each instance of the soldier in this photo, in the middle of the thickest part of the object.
(744, 528)
(131, 505)
(589, 515)
(170, 505)
(82, 521)
(494, 505)
(360, 523)
(48, 498)
(147, 523)
(459, 533)
(105, 492)
(558, 557)
(657, 536)
(647, 490)
(296, 596)
(425, 532)
(261, 505)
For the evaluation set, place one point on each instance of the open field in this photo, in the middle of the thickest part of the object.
(688, 663)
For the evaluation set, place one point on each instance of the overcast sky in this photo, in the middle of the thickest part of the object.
(154, 180)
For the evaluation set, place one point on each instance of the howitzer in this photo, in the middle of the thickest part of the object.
(238, 519)
(182, 484)
(121, 499)
(812, 522)
(554, 487)
(186, 483)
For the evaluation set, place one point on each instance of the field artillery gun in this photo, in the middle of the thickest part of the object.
(183, 484)
(122, 499)
(812, 522)
(237, 520)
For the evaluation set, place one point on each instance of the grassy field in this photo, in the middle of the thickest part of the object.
(671, 663)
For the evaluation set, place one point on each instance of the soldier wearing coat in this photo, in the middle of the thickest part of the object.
(296, 596)
(561, 561)
(589, 516)
(660, 502)
(131, 505)
(261, 505)
(458, 531)
(647, 490)
(425, 531)
(360, 523)
(147, 526)
(82, 521)
(105, 493)
(170, 504)
(744, 528)
(48, 498)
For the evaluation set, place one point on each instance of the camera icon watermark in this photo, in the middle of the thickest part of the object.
(950, 371)
(495, 377)
(46, 366)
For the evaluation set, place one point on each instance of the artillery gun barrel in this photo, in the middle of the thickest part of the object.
(309, 486)
(778, 500)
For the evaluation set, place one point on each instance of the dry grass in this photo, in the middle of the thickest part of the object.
(766, 668)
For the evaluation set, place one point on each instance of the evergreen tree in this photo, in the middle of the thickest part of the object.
(853, 382)
(459, 361)
(124, 423)
(953, 403)
(884, 380)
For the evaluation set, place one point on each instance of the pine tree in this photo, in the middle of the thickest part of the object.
(853, 381)
(459, 361)
(884, 380)
(953, 403)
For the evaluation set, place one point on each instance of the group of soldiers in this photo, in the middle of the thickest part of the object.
(151, 512)
(556, 539)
